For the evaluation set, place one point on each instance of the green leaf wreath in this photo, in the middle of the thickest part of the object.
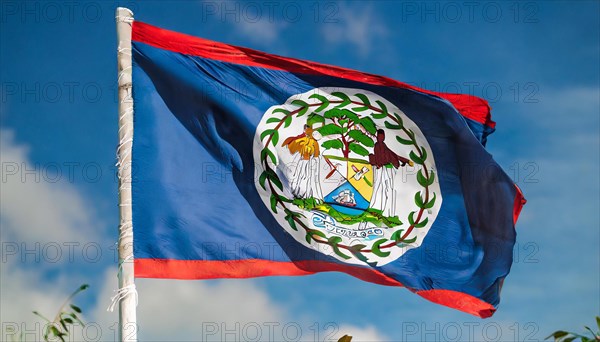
(343, 118)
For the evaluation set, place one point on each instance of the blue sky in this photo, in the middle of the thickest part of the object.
(536, 62)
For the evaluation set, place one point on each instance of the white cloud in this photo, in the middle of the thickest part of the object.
(34, 208)
(567, 116)
(37, 218)
(24, 291)
(358, 26)
(368, 333)
(262, 32)
(255, 22)
(196, 310)
(570, 103)
(232, 310)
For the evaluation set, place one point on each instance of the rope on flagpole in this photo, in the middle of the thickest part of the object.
(126, 297)
(121, 294)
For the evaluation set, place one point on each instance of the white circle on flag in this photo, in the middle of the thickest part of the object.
(347, 173)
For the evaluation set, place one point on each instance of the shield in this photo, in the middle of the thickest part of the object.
(360, 175)
(347, 186)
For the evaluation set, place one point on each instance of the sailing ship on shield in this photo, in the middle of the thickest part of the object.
(343, 167)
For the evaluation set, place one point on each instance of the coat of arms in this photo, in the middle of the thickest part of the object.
(347, 173)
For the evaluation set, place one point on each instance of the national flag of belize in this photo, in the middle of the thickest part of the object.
(247, 164)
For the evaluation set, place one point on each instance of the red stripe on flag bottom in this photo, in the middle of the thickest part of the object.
(518, 204)
(212, 269)
(249, 268)
(459, 301)
(469, 106)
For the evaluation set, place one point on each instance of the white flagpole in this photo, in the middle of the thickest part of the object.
(127, 294)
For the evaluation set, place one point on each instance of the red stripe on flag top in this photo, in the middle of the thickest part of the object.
(469, 106)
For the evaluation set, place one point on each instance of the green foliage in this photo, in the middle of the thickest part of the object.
(314, 119)
(566, 336)
(365, 101)
(67, 315)
(361, 138)
(311, 233)
(344, 123)
(274, 134)
(384, 111)
(290, 218)
(425, 181)
(420, 202)
(416, 224)
(330, 129)
(368, 124)
(323, 99)
(404, 141)
(356, 250)
(262, 179)
(335, 144)
(341, 114)
(303, 107)
(358, 149)
(282, 111)
(419, 159)
(377, 251)
(271, 176)
(371, 215)
(273, 200)
(397, 236)
(345, 99)
(267, 153)
(399, 120)
(391, 125)
(288, 121)
(334, 241)
(306, 203)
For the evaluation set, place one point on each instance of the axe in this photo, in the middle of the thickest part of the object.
(360, 174)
